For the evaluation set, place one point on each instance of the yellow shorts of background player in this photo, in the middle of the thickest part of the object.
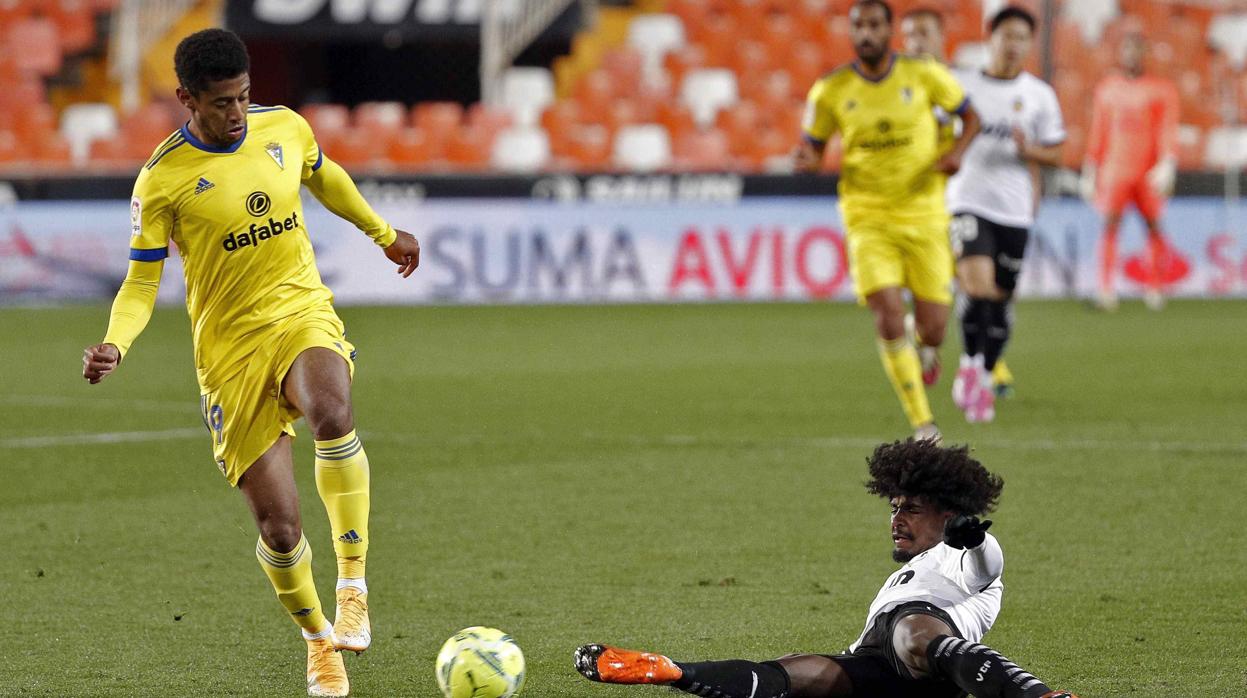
(907, 254)
(248, 412)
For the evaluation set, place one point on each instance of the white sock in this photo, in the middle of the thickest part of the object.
(327, 632)
(354, 584)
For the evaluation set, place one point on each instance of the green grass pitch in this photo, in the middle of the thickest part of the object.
(686, 479)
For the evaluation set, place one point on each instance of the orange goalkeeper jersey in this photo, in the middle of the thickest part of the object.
(1134, 124)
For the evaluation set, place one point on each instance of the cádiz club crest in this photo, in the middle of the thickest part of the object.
(274, 151)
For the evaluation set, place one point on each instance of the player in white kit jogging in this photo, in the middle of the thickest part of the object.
(993, 199)
(922, 633)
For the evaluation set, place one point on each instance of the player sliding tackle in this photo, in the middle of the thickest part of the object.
(923, 629)
(269, 347)
(892, 190)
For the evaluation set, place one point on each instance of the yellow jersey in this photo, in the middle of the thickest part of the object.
(236, 217)
(889, 136)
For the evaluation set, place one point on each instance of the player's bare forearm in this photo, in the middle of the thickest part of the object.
(808, 157)
(405, 252)
(970, 127)
(98, 361)
(1045, 155)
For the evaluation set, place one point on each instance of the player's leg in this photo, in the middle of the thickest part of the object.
(928, 647)
(318, 385)
(877, 264)
(286, 558)
(1112, 202)
(794, 676)
(1151, 206)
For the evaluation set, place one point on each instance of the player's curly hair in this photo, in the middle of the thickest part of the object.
(207, 56)
(948, 477)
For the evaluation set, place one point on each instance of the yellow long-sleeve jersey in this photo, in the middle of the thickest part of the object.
(236, 217)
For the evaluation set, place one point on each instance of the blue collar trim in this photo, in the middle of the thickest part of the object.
(857, 66)
(190, 138)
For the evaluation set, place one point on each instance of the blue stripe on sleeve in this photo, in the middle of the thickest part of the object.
(155, 255)
(961, 109)
(320, 157)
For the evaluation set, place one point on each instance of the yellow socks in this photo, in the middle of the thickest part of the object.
(342, 481)
(291, 575)
(900, 362)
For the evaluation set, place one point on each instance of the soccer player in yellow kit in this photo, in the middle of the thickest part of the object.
(892, 189)
(268, 345)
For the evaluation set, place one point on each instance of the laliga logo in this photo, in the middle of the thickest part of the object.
(258, 204)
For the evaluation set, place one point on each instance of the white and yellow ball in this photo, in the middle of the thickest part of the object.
(480, 662)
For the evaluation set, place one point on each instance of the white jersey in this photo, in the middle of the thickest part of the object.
(994, 183)
(941, 577)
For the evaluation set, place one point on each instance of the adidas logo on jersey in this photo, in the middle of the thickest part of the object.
(203, 186)
(259, 232)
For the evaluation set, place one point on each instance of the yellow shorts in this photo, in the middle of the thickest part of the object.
(248, 412)
(909, 254)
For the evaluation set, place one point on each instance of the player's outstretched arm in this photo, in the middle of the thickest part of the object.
(808, 156)
(983, 560)
(132, 308)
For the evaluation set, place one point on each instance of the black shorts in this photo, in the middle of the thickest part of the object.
(1006, 245)
(876, 671)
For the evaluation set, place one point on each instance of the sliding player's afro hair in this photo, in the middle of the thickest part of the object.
(947, 477)
(207, 56)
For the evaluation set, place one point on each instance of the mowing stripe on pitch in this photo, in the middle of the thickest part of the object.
(108, 437)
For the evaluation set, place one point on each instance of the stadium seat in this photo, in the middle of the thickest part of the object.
(642, 148)
(411, 149)
(75, 23)
(438, 120)
(1091, 16)
(561, 116)
(521, 149)
(326, 120)
(702, 151)
(1226, 147)
(675, 117)
(111, 152)
(625, 66)
(32, 122)
(150, 124)
(707, 91)
(589, 147)
(356, 149)
(1228, 34)
(35, 45)
(769, 151)
(53, 151)
(11, 150)
(481, 115)
(526, 92)
(1190, 147)
(653, 36)
(595, 92)
(382, 119)
(679, 62)
(469, 149)
(81, 124)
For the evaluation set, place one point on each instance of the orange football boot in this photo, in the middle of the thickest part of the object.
(614, 665)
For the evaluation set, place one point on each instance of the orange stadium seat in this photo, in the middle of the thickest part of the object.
(382, 119)
(150, 124)
(53, 151)
(469, 148)
(625, 68)
(35, 45)
(411, 149)
(437, 119)
(11, 150)
(14, 11)
(701, 151)
(114, 153)
(561, 117)
(326, 120)
(595, 92)
(741, 122)
(75, 22)
(691, 12)
(495, 119)
(682, 60)
(356, 149)
(1190, 147)
(766, 147)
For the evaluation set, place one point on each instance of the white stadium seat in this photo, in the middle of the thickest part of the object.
(1226, 147)
(86, 122)
(655, 35)
(521, 149)
(1228, 33)
(642, 148)
(706, 91)
(1091, 16)
(526, 92)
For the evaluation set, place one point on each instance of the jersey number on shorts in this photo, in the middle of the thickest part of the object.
(962, 229)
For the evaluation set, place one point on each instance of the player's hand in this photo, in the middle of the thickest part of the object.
(1086, 183)
(99, 361)
(807, 158)
(405, 252)
(1019, 139)
(963, 531)
(949, 164)
(1161, 177)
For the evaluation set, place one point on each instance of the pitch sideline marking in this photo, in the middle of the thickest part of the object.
(108, 437)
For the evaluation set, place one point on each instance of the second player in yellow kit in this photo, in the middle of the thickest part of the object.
(269, 348)
(892, 189)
